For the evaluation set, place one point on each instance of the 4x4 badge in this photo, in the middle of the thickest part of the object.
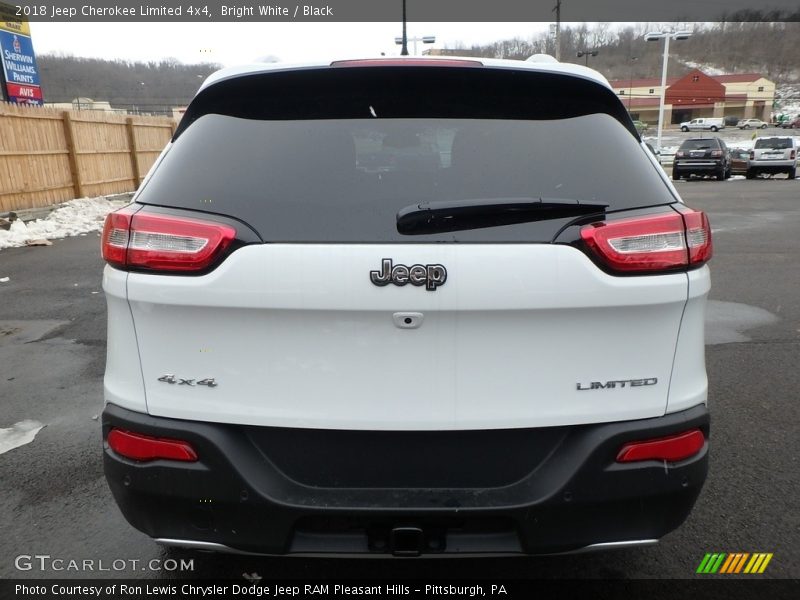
(431, 276)
(170, 378)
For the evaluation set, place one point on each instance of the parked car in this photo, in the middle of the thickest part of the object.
(773, 155)
(791, 123)
(740, 161)
(488, 355)
(703, 124)
(751, 124)
(702, 156)
(731, 121)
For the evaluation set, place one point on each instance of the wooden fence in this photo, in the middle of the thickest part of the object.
(49, 156)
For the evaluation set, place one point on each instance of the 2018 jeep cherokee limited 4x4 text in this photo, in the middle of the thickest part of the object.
(373, 306)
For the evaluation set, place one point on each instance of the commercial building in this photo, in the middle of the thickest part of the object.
(745, 96)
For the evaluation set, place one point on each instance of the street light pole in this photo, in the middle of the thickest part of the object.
(587, 54)
(663, 91)
(654, 36)
(425, 39)
(557, 10)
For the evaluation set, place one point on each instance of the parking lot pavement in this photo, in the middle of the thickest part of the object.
(54, 499)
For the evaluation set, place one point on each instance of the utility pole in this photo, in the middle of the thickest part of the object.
(404, 49)
(557, 10)
(630, 81)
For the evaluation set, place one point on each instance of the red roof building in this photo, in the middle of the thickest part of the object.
(696, 94)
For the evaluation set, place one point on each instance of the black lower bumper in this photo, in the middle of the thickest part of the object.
(757, 169)
(285, 491)
(687, 168)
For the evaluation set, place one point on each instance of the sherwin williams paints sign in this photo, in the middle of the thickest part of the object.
(20, 74)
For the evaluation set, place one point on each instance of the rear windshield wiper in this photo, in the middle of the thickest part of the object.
(476, 213)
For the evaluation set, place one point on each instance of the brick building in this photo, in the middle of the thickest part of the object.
(746, 95)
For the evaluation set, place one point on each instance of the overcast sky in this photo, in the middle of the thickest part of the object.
(236, 43)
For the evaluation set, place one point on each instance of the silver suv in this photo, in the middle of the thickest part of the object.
(773, 155)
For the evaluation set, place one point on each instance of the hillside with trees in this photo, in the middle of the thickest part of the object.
(150, 87)
(771, 49)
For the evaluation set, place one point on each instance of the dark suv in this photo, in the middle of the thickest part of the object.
(702, 156)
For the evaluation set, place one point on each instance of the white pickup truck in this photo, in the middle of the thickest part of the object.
(703, 124)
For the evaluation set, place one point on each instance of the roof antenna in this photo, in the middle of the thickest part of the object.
(404, 49)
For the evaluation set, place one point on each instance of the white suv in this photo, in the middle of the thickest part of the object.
(368, 307)
(773, 155)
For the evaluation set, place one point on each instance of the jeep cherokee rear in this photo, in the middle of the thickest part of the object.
(773, 155)
(369, 307)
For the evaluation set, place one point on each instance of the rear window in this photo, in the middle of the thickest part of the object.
(774, 143)
(700, 144)
(345, 179)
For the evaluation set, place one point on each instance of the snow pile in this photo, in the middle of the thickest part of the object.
(705, 68)
(788, 97)
(73, 218)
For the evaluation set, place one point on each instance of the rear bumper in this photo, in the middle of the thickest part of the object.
(283, 491)
(704, 166)
(772, 166)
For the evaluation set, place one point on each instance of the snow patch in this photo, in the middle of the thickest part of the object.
(705, 68)
(18, 435)
(73, 218)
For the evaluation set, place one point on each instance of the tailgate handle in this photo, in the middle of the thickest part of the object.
(408, 320)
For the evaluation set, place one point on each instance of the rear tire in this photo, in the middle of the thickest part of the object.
(792, 173)
(750, 174)
(714, 128)
(676, 176)
(764, 126)
(728, 172)
(721, 174)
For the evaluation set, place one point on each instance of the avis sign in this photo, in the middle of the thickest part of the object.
(20, 72)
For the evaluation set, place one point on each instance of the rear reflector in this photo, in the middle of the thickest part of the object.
(407, 62)
(142, 447)
(161, 242)
(671, 449)
(654, 243)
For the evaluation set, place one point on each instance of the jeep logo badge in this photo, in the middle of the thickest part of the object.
(431, 276)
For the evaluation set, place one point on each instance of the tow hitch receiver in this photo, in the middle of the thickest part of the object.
(406, 541)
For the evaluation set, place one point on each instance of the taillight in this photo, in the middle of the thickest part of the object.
(680, 154)
(114, 241)
(752, 155)
(791, 155)
(653, 243)
(716, 153)
(163, 242)
(673, 448)
(138, 446)
(698, 237)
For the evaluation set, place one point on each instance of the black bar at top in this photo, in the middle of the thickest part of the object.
(654, 11)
